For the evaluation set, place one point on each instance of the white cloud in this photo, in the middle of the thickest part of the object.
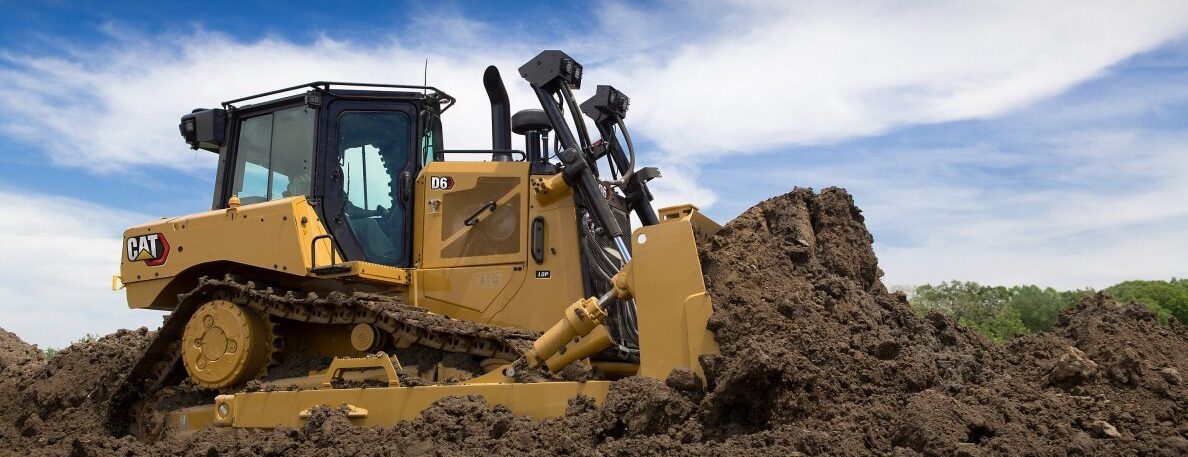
(116, 107)
(681, 183)
(55, 281)
(1073, 208)
(1099, 261)
(797, 72)
(706, 78)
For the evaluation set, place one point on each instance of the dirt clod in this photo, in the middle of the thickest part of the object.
(1103, 429)
(1171, 375)
(1072, 368)
(817, 358)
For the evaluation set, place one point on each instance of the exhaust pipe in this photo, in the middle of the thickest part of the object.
(500, 115)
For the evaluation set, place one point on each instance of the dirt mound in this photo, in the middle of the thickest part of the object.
(17, 359)
(817, 358)
(62, 399)
(17, 356)
(1109, 377)
(809, 335)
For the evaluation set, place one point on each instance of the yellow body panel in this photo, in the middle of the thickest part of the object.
(541, 300)
(457, 273)
(498, 237)
(467, 292)
(484, 272)
(272, 236)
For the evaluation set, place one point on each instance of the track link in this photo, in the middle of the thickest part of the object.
(161, 366)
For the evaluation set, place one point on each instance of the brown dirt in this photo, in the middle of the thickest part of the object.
(17, 356)
(817, 358)
(54, 402)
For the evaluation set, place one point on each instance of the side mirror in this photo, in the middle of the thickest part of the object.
(204, 128)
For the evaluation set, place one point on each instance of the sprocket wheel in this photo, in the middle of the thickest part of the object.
(225, 344)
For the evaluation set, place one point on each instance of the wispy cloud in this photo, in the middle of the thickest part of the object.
(730, 78)
(796, 72)
(1036, 196)
(117, 106)
(59, 256)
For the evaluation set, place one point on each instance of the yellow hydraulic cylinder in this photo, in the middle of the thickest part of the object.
(580, 318)
(582, 347)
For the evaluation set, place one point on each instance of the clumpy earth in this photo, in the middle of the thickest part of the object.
(817, 357)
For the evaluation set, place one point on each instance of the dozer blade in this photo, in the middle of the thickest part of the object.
(673, 306)
(387, 406)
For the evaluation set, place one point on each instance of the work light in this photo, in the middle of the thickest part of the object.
(549, 69)
(607, 103)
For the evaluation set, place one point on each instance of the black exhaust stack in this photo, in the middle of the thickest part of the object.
(500, 115)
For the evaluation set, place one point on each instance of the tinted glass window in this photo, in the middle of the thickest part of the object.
(367, 187)
(427, 148)
(251, 162)
(275, 155)
(373, 151)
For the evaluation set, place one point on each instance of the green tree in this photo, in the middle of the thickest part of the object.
(1039, 308)
(1166, 298)
(986, 309)
(1000, 326)
(1001, 313)
(51, 352)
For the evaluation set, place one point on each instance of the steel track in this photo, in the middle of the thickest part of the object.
(160, 365)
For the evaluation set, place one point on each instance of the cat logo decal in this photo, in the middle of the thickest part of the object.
(153, 249)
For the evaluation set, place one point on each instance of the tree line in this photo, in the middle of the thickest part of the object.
(1002, 313)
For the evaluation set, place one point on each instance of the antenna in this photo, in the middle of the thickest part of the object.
(426, 80)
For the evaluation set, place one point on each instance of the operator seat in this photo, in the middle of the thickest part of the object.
(366, 226)
(298, 185)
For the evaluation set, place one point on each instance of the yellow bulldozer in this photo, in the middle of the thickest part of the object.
(350, 260)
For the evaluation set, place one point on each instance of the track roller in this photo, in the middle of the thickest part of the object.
(366, 338)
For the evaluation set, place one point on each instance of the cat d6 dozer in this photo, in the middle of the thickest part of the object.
(350, 260)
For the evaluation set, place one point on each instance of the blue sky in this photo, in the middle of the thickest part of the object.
(1003, 143)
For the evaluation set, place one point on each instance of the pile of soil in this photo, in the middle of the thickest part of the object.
(17, 356)
(49, 404)
(817, 357)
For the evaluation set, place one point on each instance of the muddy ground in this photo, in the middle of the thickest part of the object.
(817, 358)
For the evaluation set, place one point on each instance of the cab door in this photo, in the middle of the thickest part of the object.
(368, 157)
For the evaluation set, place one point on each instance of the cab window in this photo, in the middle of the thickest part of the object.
(373, 149)
(275, 155)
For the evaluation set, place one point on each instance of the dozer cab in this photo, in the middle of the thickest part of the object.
(351, 260)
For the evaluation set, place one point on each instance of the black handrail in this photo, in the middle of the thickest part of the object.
(473, 219)
(313, 252)
(325, 85)
(523, 156)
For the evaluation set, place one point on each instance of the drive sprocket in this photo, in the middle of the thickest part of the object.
(225, 344)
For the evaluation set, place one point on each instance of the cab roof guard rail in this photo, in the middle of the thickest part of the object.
(325, 86)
